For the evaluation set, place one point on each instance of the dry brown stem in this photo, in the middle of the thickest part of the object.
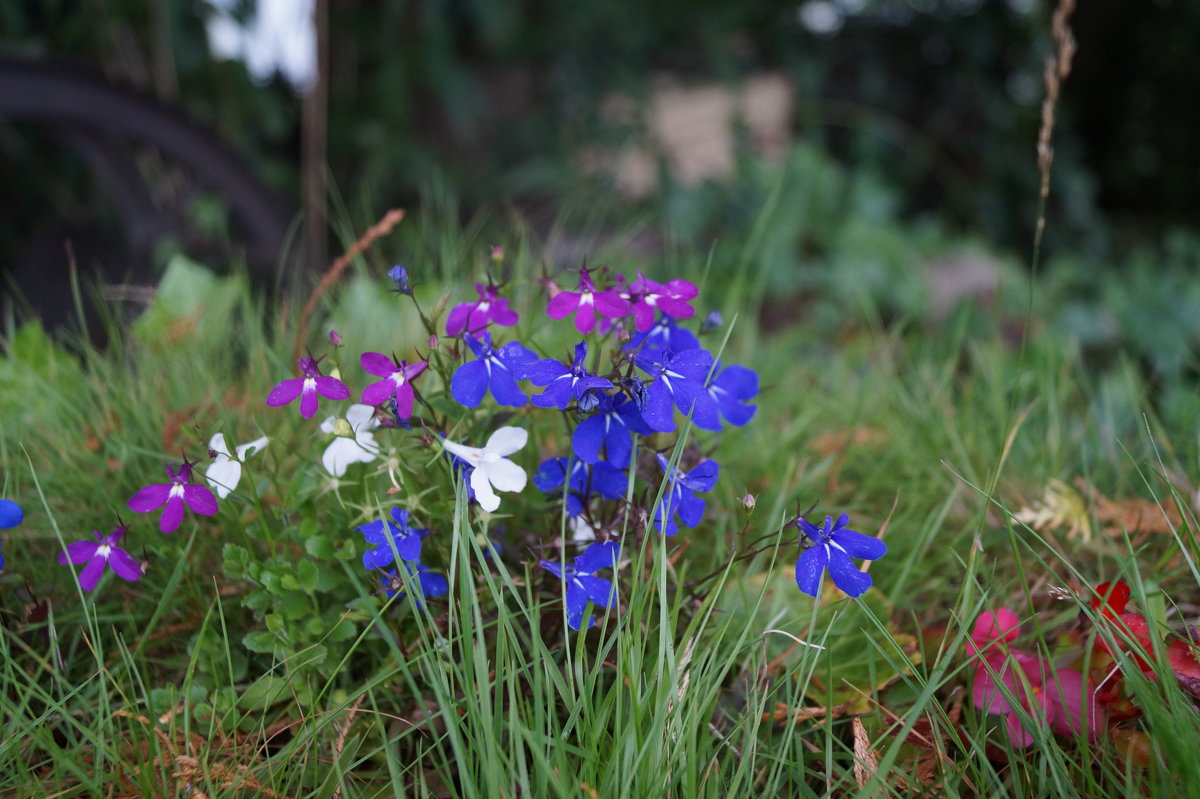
(381, 228)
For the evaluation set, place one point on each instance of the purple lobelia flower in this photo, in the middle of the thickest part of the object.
(833, 547)
(671, 298)
(664, 334)
(585, 481)
(397, 381)
(679, 501)
(174, 495)
(730, 388)
(582, 584)
(496, 368)
(586, 302)
(563, 382)
(97, 554)
(429, 583)
(612, 426)
(472, 317)
(390, 539)
(307, 388)
(677, 377)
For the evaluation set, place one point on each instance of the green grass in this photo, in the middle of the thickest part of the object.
(233, 669)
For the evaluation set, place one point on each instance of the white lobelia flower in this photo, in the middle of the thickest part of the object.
(491, 469)
(226, 469)
(357, 445)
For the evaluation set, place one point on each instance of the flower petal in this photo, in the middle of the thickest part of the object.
(506, 476)
(472, 455)
(172, 514)
(124, 565)
(246, 450)
(91, 573)
(200, 500)
(469, 383)
(223, 476)
(846, 575)
(285, 392)
(217, 445)
(342, 452)
(149, 498)
(79, 552)
(506, 440)
(308, 402)
(483, 490)
(378, 392)
(377, 364)
(361, 417)
(809, 567)
(858, 545)
(332, 389)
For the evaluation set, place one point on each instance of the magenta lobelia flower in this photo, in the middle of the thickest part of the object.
(396, 381)
(672, 298)
(175, 495)
(472, 317)
(307, 388)
(98, 554)
(585, 302)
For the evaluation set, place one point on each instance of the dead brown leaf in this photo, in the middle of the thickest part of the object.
(866, 762)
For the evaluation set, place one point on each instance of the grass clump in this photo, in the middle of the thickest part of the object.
(257, 656)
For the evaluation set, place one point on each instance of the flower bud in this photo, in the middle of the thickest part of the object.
(748, 502)
(335, 338)
(399, 276)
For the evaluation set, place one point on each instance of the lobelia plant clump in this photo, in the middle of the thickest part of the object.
(633, 382)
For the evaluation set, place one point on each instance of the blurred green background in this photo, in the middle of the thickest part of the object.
(888, 126)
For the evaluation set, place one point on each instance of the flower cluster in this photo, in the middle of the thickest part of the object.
(631, 383)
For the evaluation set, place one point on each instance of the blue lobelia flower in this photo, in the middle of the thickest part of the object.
(496, 368)
(389, 540)
(612, 426)
(429, 582)
(664, 334)
(10, 514)
(563, 383)
(680, 500)
(399, 276)
(833, 547)
(677, 377)
(730, 388)
(586, 480)
(582, 585)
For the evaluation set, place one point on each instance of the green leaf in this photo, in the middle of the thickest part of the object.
(264, 692)
(319, 546)
(306, 573)
(295, 606)
(235, 560)
(260, 641)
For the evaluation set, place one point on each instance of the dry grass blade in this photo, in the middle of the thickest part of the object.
(1058, 67)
